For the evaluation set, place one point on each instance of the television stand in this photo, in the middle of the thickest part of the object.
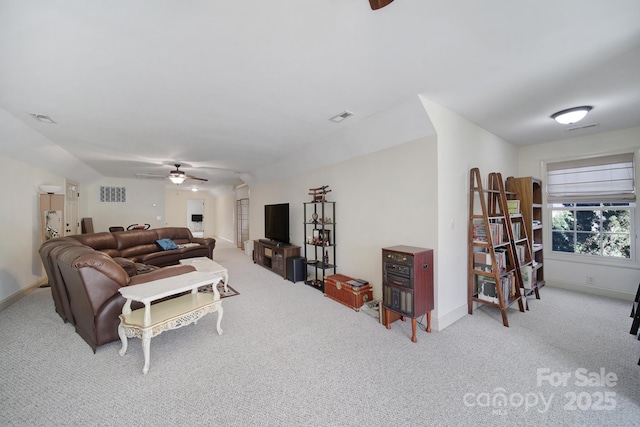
(273, 255)
(275, 243)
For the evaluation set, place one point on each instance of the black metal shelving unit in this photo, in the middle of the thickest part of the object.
(320, 241)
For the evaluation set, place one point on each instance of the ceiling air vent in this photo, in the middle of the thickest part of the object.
(340, 117)
(582, 127)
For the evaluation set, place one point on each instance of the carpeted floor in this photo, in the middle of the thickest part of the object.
(291, 357)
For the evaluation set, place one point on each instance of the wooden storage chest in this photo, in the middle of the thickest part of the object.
(336, 288)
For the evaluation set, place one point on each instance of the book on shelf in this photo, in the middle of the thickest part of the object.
(487, 289)
(513, 206)
(481, 257)
(479, 232)
(501, 258)
(515, 226)
(520, 250)
(483, 267)
(497, 233)
(527, 276)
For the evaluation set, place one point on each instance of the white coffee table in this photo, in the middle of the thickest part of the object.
(207, 264)
(145, 323)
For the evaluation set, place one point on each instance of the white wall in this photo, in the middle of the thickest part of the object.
(462, 146)
(20, 265)
(382, 199)
(224, 213)
(145, 203)
(618, 280)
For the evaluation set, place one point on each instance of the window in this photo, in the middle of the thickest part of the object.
(592, 206)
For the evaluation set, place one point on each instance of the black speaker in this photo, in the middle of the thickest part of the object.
(296, 269)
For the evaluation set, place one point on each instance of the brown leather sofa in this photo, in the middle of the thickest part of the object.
(92, 280)
(140, 245)
(86, 271)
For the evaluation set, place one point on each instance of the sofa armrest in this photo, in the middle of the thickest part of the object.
(209, 242)
(161, 273)
(128, 265)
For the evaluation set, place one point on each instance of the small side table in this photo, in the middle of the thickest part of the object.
(145, 323)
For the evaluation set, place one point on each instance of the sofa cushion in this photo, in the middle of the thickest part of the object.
(166, 244)
(103, 241)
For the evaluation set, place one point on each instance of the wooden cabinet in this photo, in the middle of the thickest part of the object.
(274, 257)
(529, 191)
(407, 284)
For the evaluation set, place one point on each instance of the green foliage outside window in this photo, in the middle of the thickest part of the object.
(598, 229)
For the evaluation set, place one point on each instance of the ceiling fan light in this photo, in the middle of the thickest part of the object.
(176, 179)
(571, 115)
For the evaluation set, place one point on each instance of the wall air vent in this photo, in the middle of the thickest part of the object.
(340, 117)
(112, 194)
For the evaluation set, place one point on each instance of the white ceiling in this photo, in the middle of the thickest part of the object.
(241, 85)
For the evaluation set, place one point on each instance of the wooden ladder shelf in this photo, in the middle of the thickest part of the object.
(498, 248)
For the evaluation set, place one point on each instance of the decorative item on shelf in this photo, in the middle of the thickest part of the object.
(325, 257)
(326, 237)
(319, 193)
(314, 218)
(53, 223)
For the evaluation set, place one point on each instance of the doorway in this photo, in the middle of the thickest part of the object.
(242, 221)
(72, 223)
(195, 217)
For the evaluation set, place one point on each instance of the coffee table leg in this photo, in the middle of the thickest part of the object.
(220, 312)
(123, 338)
(225, 276)
(146, 349)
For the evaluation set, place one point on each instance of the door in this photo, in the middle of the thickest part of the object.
(72, 223)
(242, 222)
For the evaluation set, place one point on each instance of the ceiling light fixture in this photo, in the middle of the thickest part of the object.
(571, 115)
(177, 179)
(194, 189)
(340, 117)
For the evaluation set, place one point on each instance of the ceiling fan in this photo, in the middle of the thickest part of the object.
(378, 4)
(176, 176)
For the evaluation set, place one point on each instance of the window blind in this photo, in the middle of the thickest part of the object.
(598, 179)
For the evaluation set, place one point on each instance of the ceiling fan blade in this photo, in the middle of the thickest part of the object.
(378, 4)
(150, 176)
(195, 177)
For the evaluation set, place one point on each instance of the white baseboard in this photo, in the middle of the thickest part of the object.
(591, 290)
(15, 297)
(440, 323)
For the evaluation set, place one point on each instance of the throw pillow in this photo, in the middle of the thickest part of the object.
(167, 244)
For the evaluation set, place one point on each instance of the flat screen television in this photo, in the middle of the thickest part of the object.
(276, 222)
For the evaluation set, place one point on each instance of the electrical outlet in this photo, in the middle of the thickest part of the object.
(591, 280)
